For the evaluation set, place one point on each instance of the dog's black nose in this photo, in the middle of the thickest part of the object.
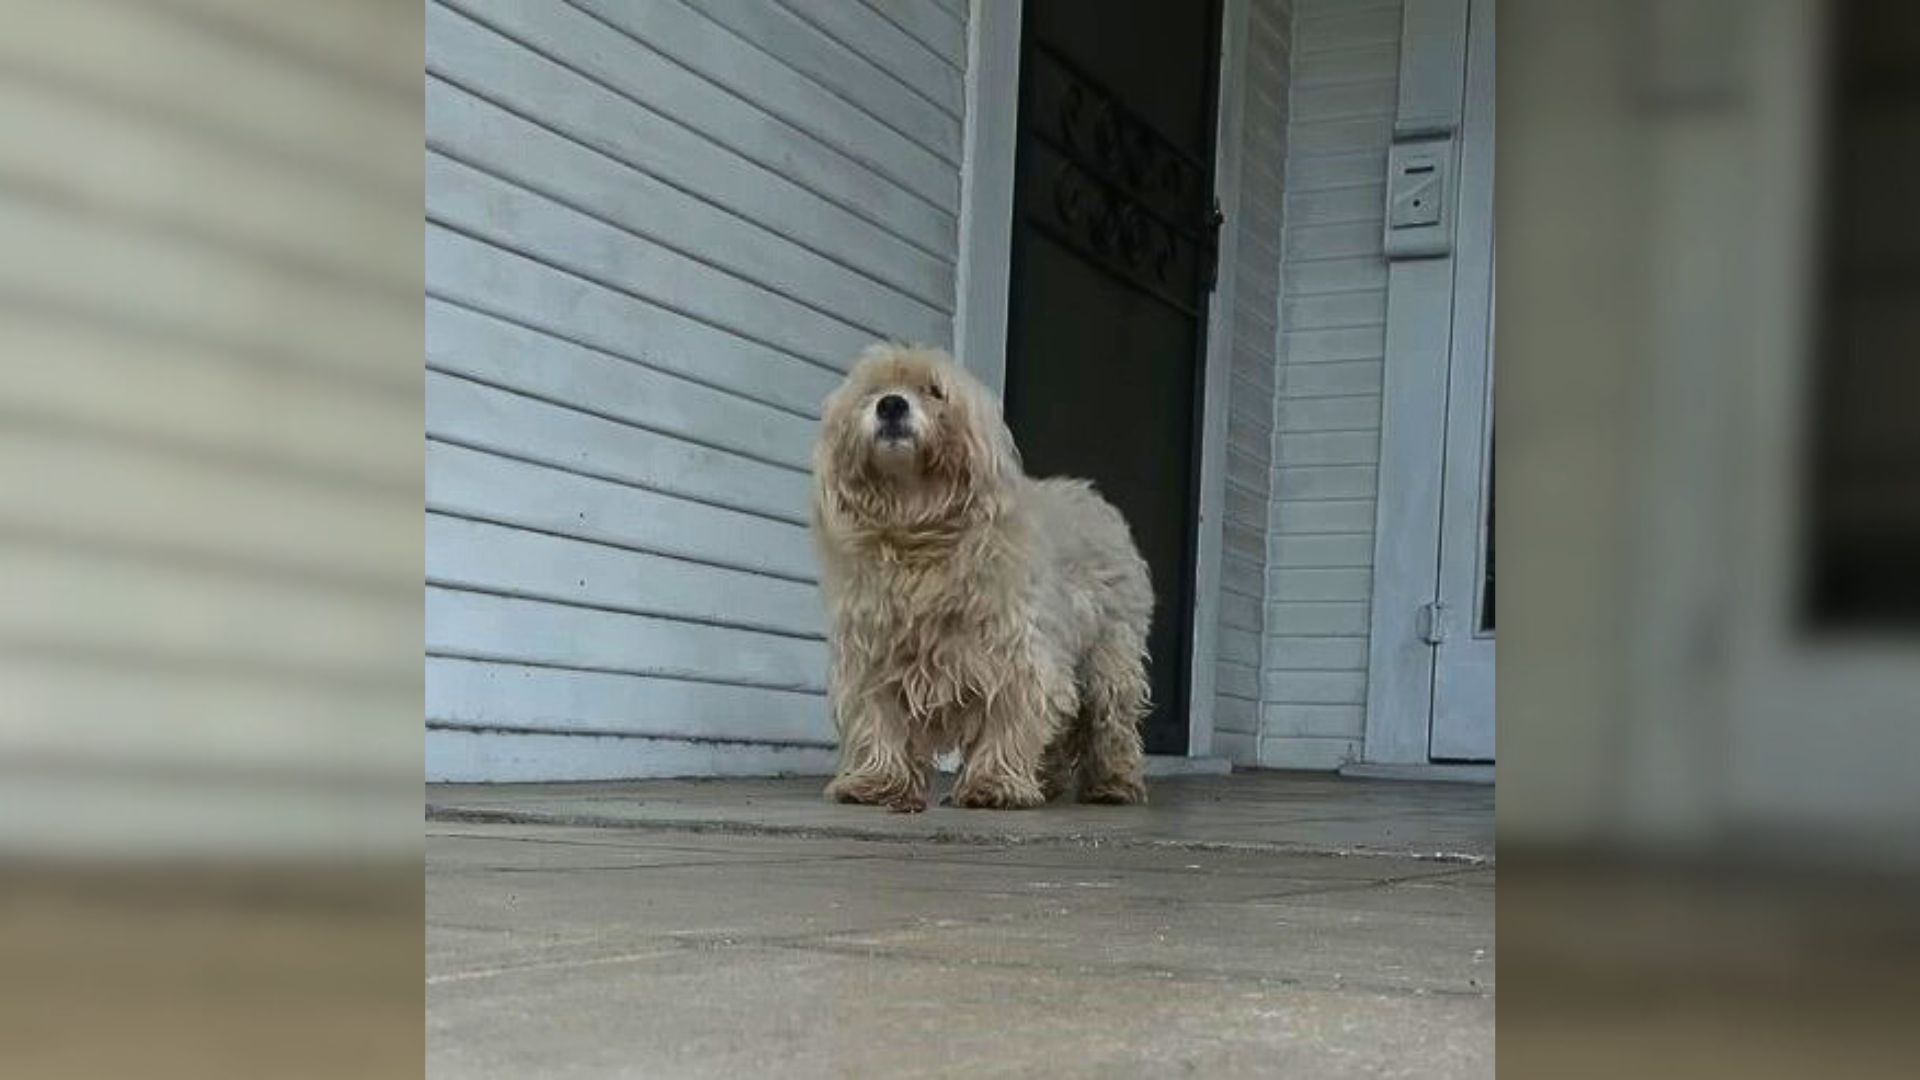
(891, 408)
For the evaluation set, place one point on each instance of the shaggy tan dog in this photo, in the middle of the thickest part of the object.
(972, 608)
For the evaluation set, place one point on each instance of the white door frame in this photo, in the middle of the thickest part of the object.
(1463, 673)
(985, 271)
(1421, 294)
(984, 276)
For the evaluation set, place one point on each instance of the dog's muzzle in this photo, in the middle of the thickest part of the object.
(894, 416)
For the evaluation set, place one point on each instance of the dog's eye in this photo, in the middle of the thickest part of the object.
(934, 392)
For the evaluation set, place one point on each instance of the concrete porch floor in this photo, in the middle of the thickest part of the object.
(1253, 925)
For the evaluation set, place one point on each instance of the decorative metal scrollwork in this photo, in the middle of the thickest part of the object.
(1113, 189)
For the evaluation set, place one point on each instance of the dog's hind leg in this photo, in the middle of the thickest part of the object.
(1062, 757)
(1112, 703)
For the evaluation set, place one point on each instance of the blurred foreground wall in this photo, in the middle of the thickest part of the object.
(210, 415)
(1708, 406)
(1710, 485)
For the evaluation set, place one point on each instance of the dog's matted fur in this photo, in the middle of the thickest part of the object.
(972, 608)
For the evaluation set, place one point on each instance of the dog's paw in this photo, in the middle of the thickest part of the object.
(1115, 791)
(869, 790)
(998, 794)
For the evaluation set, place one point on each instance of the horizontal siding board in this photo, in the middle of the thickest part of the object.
(348, 127)
(490, 138)
(184, 504)
(1240, 612)
(479, 626)
(165, 718)
(1317, 619)
(500, 70)
(929, 111)
(491, 350)
(1250, 419)
(107, 604)
(473, 483)
(1329, 448)
(474, 415)
(482, 694)
(940, 31)
(1248, 437)
(1332, 241)
(364, 41)
(1253, 371)
(1246, 467)
(1372, 99)
(1243, 538)
(1239, 646)
(455, 756)
(1332, 346)
(1314, 721)
(1241, 750)
(492, 558)
(865, 33)
(1241, 574)
(1323, 516)
(1345, 28)
(1332, 171)
(1316, 653)
(1339, 205)
(97, 376)
(1340, 551)
(582, 42)
(1361, 64)
(472, 202)
(1311, 277)
(1339, 379)
(1345, 136)
(1237, 680)
(172, 286)
(1247, 505)
(124, 166)
(1356, 412)
(1237, 715)
(723, 59)
(578, 309)
(1325, 482)
(1316, 687)
(1316, 583)
(1329, 311)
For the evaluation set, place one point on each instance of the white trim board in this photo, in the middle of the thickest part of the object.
(1412, 439)
(986, 189)
(1217, 386)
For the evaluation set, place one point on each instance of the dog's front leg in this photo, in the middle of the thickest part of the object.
(882, 763)
(1005, 747)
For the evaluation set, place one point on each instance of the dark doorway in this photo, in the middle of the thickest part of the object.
(1113, 250)
(1863, 529)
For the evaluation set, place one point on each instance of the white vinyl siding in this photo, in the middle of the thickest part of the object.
(1319, 549)
(1250, 411)
(209, 517)
(657, 233)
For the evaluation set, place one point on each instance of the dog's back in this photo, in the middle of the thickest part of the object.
(1093, 568)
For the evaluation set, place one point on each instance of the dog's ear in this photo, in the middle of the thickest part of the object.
(992, 462)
